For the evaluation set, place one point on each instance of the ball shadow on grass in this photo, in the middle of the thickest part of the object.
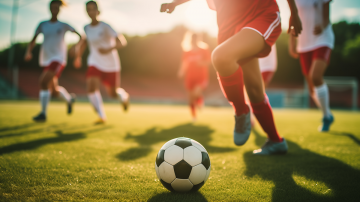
(341, 179)
(200, 133)
(171, 196)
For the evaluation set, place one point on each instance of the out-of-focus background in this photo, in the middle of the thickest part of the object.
(152, 57)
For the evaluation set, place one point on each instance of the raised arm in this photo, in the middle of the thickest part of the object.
(28, 54)
(169, 7)
(294, 22)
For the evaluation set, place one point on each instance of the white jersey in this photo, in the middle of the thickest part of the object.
(310, 12)
(53, 48)
(269, 63)
(102, 36)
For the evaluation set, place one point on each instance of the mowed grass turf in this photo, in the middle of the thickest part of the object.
(69, 158)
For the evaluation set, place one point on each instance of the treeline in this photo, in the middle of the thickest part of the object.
(160, 54)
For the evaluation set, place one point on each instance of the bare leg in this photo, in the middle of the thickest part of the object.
(93, 85)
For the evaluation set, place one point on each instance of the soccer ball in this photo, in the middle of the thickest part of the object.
(182, 165)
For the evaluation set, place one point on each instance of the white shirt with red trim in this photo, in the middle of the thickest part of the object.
(102, 35)
(53, 48)
(310, 12)
(269, 63)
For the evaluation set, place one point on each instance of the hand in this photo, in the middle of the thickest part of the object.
(77, 62)
(28, 56)
(295, 24)
(105, 50)
(293, 53)
(168, 7)
(318, 29)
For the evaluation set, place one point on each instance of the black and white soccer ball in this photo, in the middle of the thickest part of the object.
(182, 165)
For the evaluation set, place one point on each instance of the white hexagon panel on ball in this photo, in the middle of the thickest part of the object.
(198, 174)
(182, 185)
(166, 172)
(174, 154)
(192, 155)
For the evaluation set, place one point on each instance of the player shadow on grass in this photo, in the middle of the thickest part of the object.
(351, 136)
(341, 180)
(13, 131)
(200, 133)
(60, 137)
(169, 196)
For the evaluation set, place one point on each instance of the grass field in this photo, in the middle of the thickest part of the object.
(68, 158)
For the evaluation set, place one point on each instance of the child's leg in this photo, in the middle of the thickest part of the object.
(45, 93)
(59, 91)
(226, 57)
(259, 103)
(321, 89)
(93, 84)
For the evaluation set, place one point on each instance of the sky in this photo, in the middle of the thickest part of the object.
(136, 17)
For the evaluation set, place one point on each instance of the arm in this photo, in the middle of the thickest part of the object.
(182, 69)
(28, 54)
(292, 47)
(170, 7)
(79, 52)
(120, 43)
(294, 22)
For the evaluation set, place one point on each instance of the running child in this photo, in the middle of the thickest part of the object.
(103, 61)
(194, 67)
(247, 30)
(53, 58)
(314, 47)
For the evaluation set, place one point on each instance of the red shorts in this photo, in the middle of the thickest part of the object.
(56, 67)
(307, 58)
(261, 16)
(190, 84)
(267, 76)
(111, 79)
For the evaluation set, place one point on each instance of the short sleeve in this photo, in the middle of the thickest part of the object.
(110, 31)
(68, 28)
(38, 29)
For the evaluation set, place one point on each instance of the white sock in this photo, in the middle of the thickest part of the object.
(322, 93)
(64, 94)
(44, 100)
(96, 101)
(122, 94)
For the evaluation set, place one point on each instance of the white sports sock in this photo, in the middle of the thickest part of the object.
(64, 94)
(322, 93)
(96, 101)
(122, 94)
(44, 100)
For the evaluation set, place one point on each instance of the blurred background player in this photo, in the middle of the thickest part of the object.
(194, 67)
(247, 30)
(53, 58)
(314, 47)
(103, 61)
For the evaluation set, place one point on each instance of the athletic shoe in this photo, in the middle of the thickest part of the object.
(242, 129)
(40, 117)
(99, 121)
(70, 104)
(126, 102)
(271, 147)
(326, 123)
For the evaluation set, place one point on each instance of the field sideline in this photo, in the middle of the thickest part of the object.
(68, 158)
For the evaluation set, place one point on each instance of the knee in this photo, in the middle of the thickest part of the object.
(43, 84)
(317, 80)
(220, 59)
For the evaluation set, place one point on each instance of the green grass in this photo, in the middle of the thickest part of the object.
(68, 158)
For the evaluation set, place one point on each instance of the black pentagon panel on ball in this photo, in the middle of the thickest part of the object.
(197, 187)
(160, 157)
(183, 142)
(182, 170)
(167, 185)
(205, 160)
